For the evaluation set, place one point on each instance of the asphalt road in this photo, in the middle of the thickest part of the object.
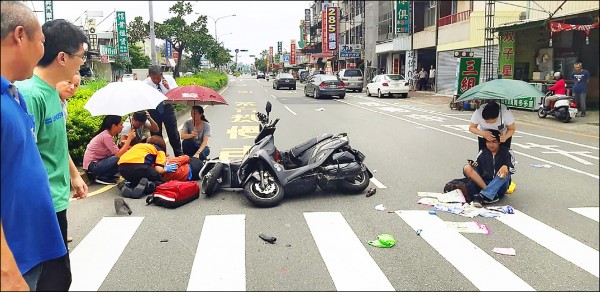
(411, 146)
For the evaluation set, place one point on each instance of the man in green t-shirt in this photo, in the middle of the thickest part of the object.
(64, 53)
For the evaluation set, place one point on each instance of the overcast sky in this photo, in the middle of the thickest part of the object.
(256, 26)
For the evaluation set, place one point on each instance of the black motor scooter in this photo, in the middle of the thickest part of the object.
(266, 174)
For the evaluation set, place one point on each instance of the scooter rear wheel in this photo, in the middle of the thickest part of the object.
(270, 196)
(210, 181)
(356, 184)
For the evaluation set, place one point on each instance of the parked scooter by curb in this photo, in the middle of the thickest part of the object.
(266, 174)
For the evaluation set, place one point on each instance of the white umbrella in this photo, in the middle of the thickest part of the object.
(121, 98)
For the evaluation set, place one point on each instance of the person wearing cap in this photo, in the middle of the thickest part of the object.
(490, 172)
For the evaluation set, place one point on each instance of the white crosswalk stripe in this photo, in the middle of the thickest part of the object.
(94, 257)
(219, 262)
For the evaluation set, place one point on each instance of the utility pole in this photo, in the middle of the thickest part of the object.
(152, 36)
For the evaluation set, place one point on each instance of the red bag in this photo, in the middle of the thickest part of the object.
(173, 194)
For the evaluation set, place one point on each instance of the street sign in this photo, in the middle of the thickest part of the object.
(402, 17)
(237, 51)
(48, 10)
(122, 33)
(350, 51)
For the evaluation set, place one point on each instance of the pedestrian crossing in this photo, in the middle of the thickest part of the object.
(219, 262)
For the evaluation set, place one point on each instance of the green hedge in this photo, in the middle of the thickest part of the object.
(81, 126)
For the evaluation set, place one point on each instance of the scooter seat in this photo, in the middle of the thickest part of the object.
(298, 150)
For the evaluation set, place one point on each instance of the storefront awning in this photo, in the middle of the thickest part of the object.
(531, 23)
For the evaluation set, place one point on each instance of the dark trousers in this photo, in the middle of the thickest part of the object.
(196, 165)
(191, 146)
(56, 273)
(168, 117)
(134, 172)
(105, 168)
(422, 83)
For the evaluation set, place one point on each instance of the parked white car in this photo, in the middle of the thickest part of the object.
(388, 84)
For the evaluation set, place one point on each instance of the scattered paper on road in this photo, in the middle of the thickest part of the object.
(505, 251)
(541, 165)
(455, 196)
(468, 227)
(320, 109)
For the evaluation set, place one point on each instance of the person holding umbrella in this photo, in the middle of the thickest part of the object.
(195, 134)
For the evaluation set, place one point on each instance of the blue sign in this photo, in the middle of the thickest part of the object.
(168, 49)
(286, 58)
(350, 51)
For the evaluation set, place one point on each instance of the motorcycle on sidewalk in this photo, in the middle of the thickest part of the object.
(266, 174)
(563, 108)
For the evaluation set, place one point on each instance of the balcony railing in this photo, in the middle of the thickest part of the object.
(454, 18)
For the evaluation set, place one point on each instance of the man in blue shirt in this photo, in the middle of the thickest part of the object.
(29, 227)
(580, 79)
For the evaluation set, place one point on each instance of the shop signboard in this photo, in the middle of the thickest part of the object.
(108, 50)
(168, 49)
(307, 20)
(293, 52)
(279, 47)
(325, 47)
(286, 58)
(467, 73)
(402, 17)
(122, 47)
(350, 51)
(527, 103)
(507, 54)
(269, 57)
(332, 28)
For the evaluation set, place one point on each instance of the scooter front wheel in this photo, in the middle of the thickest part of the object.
(269, 196)
(542, 113)
(210, 181)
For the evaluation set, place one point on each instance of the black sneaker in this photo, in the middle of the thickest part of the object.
(150, 188)
(140, 190)
(488, 201)
(106, 180)
(127, 192)
(477, 201)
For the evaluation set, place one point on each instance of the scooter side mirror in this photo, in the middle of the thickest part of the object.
(268, 107)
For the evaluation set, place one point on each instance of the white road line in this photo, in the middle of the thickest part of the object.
(290, 110)
(97, 253)
(220, 261)
(274, 96)
(590, 212)
(475, 264)
(469, 138)
(557, 242)
(348, 262)
(265, 89)
(377, 183)
(468, 120)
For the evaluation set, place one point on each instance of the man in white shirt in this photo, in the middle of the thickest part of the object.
(164, 112)
(432, 78)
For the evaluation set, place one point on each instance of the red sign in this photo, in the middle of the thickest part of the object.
(293, 52)
(324, 32)
(269, 58)
(332, 28)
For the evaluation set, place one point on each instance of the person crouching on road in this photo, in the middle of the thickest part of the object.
(142, 166)
(102, 154)
(195, 134)
(491, 172)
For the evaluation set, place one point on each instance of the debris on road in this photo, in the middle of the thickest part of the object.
(121, 207)
(508, 209)
(269, 239)
(505, 251)
(419, 232)
(371, 192)
(432, 213)
(383, 240)
(380, 207)
(541, 165)
(320, 109)
(468, 227)
(164, 240)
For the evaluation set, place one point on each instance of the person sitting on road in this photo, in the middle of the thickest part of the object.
(490, 172)
(195, 134)
(188, 168)
(102, 154)
(489, 117)
(558, 88)
(143, 125)
(142, 166)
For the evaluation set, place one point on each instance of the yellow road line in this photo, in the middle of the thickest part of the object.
(99, 191)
